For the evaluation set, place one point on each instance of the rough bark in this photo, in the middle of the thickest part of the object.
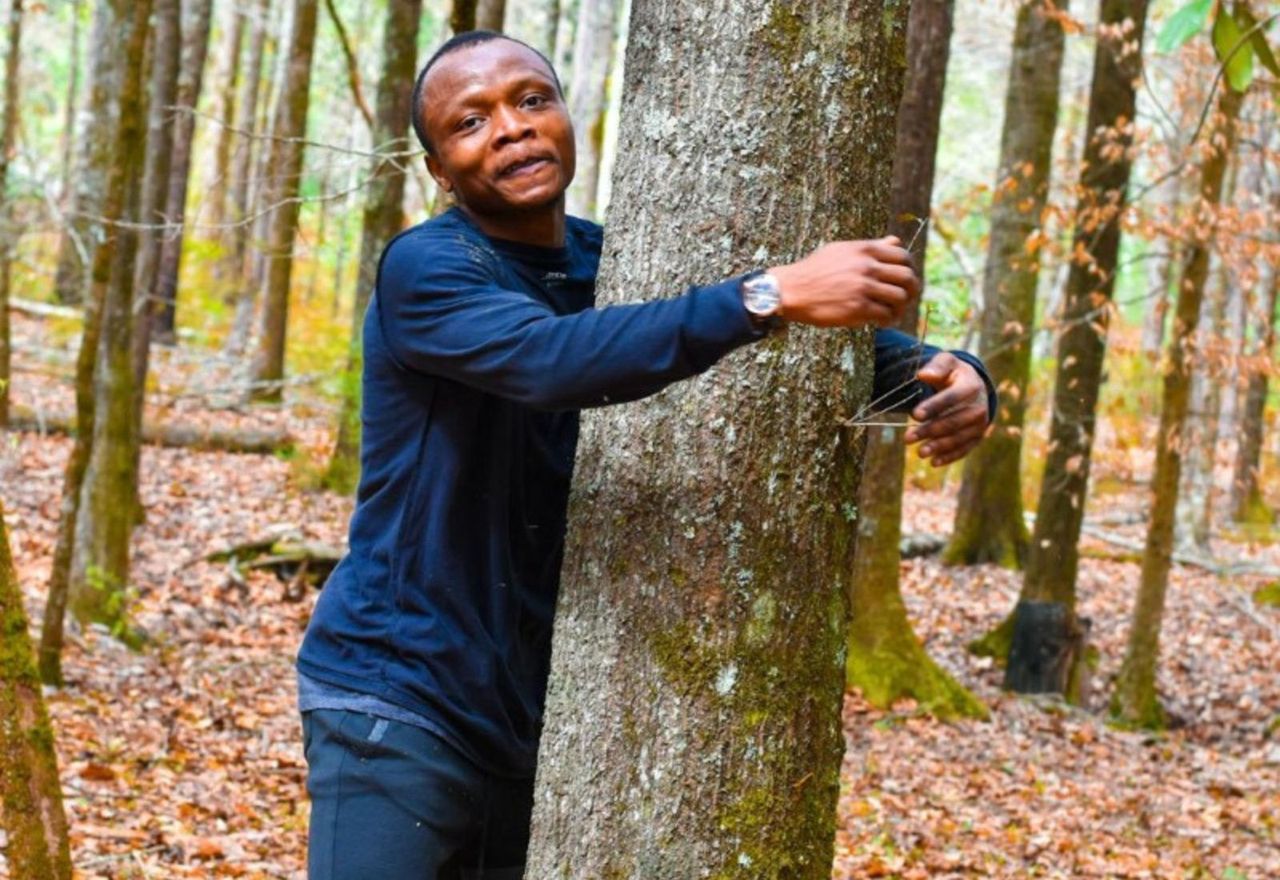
(1053, 555)
(1247, 503)
(195, 49)
(592, 55)
(30, 791)
(989, 525)
(1135, 701)
(100, 561)
(9, 232)
(237, 241)
(886, 661)
(693, 717)
(224, 112)
(383, 215)
(82, 232)
(286, 151)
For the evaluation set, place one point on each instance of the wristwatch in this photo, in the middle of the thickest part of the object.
(762, 298)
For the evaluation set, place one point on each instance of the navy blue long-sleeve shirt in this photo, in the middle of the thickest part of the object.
(478, 355)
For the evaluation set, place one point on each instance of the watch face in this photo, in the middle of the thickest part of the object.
(761, 295)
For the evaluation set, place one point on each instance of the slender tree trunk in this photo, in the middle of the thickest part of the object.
(100, 561)
(266, 178)
(1053, 555)
(73, 97)
(287, 152)
(886, 661)
(195, 49)
(693, 717)
(593, 53)
(1247, 503)
(82, 233)
(383, 216)
(989, 526)
(9, 231)
(1135, 701)
(490, 14)
(237, 247)
(534, 22)
(166, 65)
(462, 17)
(224, 111)
(30, 791)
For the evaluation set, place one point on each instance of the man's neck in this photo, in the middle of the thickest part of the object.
(543, 228)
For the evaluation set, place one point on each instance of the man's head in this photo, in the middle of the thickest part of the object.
(490, 113)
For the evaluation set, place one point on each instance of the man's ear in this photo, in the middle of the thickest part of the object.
(437, 174)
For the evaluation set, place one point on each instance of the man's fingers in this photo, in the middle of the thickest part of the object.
(949, 449)
(889, 250)
(939, 367)
(886, 294)
(953, 423)
(899, 276)
(948, 399)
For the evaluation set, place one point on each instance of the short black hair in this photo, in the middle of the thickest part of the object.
(463, 40)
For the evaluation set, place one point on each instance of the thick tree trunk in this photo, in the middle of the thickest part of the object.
(886, 661)
(1247, 503)
(383, 215)
(82, 233)
(1135, 701)
(195, 48)
(286, 162)
(9, 232)
(237, 240)
(462, 16)
(30, 791)
(224, 111)
(1053, 555)
(100, 561)
(989, 526)
(693, 717)
(592, 56)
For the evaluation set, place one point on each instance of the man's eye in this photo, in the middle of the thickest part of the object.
(534, 100)
(469, 123)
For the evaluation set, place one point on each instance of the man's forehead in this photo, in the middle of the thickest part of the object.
(480, 64)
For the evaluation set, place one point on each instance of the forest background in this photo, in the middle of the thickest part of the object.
(186, 565)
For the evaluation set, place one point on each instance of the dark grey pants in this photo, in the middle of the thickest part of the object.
(390, 801)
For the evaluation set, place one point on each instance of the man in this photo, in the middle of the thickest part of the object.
(423, 671)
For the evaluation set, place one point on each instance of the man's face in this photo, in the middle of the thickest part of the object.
(500, 132)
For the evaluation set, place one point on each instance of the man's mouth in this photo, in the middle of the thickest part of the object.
(527, 165)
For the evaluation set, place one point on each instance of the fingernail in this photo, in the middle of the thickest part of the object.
(926, 450)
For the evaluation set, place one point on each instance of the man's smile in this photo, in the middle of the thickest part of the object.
(525, 166)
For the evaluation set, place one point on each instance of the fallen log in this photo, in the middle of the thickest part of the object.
(43, 310)
(202, 438)
(295, 562)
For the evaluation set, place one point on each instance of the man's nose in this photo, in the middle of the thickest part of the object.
(509, 124)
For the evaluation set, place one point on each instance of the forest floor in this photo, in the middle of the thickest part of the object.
(185, 760)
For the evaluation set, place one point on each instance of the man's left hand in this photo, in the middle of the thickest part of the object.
(954, 419)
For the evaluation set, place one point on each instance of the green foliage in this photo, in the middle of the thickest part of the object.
(1268, 595)
(1234, 51)
(1183, 25)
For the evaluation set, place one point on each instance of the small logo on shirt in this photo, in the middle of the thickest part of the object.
(555, 276)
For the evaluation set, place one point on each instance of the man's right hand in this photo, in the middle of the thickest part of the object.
(848, 284)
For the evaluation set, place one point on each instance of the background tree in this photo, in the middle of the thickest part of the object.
(989, 524)
(1247, 503)
(593, 57)
(1053, 556)
(383, 213)
(286, 164)
(9, 232)
(1135, 700)
(886, 661)
(30, 792)
(703, 610)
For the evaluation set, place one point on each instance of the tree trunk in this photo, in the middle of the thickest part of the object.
(989, 525)
(195, 48)
(81, 234)
(9, 231)
(534, 22)
(1135, 701)
(490, 14)
(592, 54)
(693, 717)
(237, 247)
(100, 561)
(166, 63)
(383, 216)
(30, 791)
(73, 97)
(224, 111)
(886, 661)
(290, 126)
(1247, 502)
(462, 17)
(1053, 555)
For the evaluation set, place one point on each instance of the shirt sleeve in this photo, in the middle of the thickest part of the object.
(898, 358)
(442, 313)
